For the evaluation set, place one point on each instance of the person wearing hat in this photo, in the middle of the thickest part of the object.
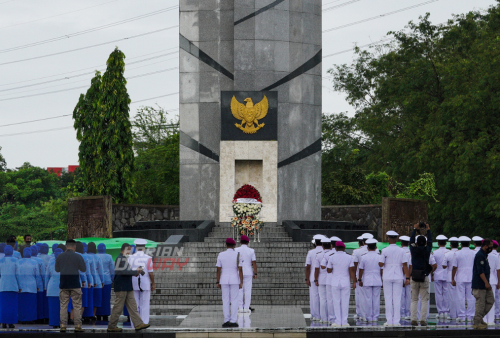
(440, 276)
(320, 279)
(109, 274)
(52, 281)
(41, 284)
(395, 265)
(462, 279)
(370, 280)
(494, 263)
(497, 291)
(310, 269)
(340, 268)
(406, 292)
(29, 279)
(143, 283)
(9, 288)
(359, 297)
(329, 276)
(447, 265)
(229, 280)
(481, 287)
(478, 242)
(249, 266)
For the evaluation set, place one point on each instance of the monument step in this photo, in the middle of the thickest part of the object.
(262, 239)
(280, 269)
(260, 259)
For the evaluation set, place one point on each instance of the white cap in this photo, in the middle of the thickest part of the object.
(371, 241)
(335, 239)
(391, 233)
(477, 238)
(463, 239)
(318, 237)
(140, 241)
(313, 241)
(360, 238)
(420, 236)
(453, 239)
(325, 240)
(367, 235)
(441, 238)
(404, 238)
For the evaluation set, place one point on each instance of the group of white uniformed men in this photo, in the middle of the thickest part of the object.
(330, 270)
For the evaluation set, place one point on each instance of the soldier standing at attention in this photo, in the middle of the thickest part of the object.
(357, 293)
(449, 257)
(462, 279)
(370, 280)
(249, 265)
(440, 284)
(310, 268)
(320, 279)
(229, 280)
(406, 293)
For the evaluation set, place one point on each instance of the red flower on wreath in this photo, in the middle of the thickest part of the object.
(247, 191)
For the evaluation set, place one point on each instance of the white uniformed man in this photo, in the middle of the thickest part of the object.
(478, 241)
(370, 280)
(340, 267)
(497, 291)
(494, 262)
(229, 280)
(320, 279)
(143, 284)
(310, 269)
(440, 278)
(249, 265)
(357, 293)
(449, 257)
(406, 292)
(395, 264)
(462, 279)
(329, 276)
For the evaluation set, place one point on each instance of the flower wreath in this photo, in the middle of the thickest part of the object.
(247, 204)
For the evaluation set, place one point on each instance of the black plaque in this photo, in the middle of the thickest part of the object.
(229, 130)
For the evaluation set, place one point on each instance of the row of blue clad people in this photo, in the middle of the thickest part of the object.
(29, 284)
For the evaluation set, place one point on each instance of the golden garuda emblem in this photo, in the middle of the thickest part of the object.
(249, 114)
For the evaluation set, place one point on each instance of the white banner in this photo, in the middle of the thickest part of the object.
(248, 201)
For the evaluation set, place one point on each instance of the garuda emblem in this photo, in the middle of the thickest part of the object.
(249, 114)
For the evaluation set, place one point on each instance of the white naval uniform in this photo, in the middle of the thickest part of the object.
(494, 262)
(229, 263)
(323, 300)
(497, 294)
(329, 276)
(142, 298)
(406, 291)
(313, 289)
(247, 256)
(440, 282)
(449, 257)
(372, 283)
(358, 292)
(393, 258)
(341, 285)
(464, 261)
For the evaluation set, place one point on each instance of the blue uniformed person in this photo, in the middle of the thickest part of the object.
(45, 257)
(29, 279)
(40, 282)
(9, 288)
(2, 248)
(11, 240)
(99, 276)
(52, 280)
(109, 275)
(88, 313)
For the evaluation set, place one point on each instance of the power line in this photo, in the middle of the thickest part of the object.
(35, 131)
(91, 46)
(53, 16)
(351, 49)
(24, 122)
(91, 30)
(156, 97)
(379, 16)
(339, 6)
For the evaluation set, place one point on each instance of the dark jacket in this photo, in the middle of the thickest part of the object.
(420, 254)
(69, 264)
(123, 274)
(481, 265)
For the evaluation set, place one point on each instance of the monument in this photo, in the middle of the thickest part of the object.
(250, 107)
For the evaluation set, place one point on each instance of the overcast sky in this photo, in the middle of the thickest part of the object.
(24, 22)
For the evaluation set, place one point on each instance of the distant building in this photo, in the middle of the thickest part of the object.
(59, 170)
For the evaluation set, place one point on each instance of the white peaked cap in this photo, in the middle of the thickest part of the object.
(391, 233)
(372, 241)
(404, 238)
(140, 241)
(313, 241)
(360, 238)
(441, 238)
(464, 239)
(335, 239)
(318, 237)
(453, 239)
(477, 238)
(325, 240)
(420, 236)
(366, 235)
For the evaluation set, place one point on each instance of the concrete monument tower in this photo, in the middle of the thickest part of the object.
(250, 107)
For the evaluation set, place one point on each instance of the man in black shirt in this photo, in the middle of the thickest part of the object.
(68, 264)
(481, 287)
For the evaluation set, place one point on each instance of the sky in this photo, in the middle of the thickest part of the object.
(35, 85)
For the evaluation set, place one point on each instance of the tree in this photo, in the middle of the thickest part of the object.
(428, 103)
(156, 141)
(104, 131)
(3, 163)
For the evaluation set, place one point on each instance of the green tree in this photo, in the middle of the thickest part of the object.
(156, 141)
(427, 103)
(3, 163)
(103, 128)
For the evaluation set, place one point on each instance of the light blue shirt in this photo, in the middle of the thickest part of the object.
(28, 276)
(99, 276)
(46, 259)
(8, 274)
(88, 274)
(92, 270)
(108, 268)
(2, 255)
(40, 284)
(16, 254)
(52, 279)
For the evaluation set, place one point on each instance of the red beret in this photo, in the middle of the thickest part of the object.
(244, 238)
(340, 244)
(230, 241)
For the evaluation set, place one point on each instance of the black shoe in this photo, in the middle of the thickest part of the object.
(56, 327)
(71, 322)
(105, 318)
(234, 325)
(226, 324)
(4, 326)
(251, 309)
(128, 320)
(12, 326)
(99, 318)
